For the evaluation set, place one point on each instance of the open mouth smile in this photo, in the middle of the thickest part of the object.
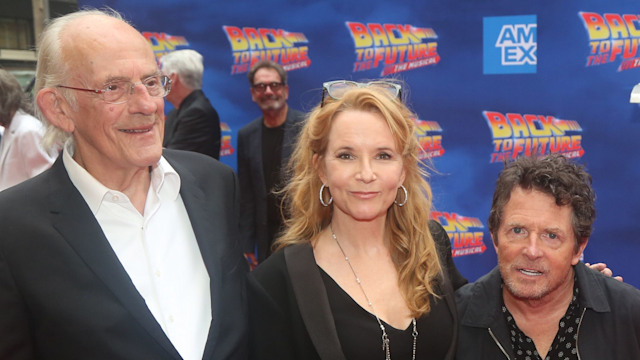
(530, 272)
(137, 131)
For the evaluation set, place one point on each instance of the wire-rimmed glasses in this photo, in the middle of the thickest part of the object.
(119, 91)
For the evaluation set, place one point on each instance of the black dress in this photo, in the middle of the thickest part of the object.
(361, 337)
(277, 324)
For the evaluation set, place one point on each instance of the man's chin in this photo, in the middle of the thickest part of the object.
(272, 106)
(524, 291)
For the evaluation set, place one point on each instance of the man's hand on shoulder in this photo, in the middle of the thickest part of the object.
(603, 269)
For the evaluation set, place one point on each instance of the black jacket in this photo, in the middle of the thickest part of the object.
(253, 189)
(609, 327)
(65, 295)
(195, 126)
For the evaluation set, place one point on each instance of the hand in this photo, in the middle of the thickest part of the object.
(603, 269)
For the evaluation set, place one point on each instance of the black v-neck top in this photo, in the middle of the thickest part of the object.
(361, 338)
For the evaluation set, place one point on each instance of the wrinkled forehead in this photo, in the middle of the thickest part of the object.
(97, 44)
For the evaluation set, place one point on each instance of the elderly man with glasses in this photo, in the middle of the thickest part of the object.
(264, 147)
(120, 250)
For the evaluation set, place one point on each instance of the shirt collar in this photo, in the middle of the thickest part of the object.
(165, 181)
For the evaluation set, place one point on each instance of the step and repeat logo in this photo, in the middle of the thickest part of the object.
(394, 47)
(510, 44)
(529, 134)
(429, 134)
(613, 38)
(163, 43)
(465, 233)
(226, 149)
(250, 45)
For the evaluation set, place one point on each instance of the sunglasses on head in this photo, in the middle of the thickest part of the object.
(336, 89)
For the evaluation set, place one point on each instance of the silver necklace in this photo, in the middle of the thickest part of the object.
(385, 337)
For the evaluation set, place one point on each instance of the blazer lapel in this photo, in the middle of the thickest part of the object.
(256, 153)
(75, 222)
(312, 300)
(204, 227)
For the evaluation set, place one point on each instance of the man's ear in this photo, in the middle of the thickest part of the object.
(494, 241)
(55, 108)
(578, 254)
(174, 78)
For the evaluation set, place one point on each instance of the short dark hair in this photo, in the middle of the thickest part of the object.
(554, 174)
(12, 97)
(269, 65)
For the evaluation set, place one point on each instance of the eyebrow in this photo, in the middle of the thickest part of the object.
(113, 78)
(555, 230)
(350, 148)
(512, 224)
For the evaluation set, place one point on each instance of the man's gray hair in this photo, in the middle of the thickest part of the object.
(51, 70)
(187, 64)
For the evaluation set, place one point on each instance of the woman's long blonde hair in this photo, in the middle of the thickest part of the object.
(413, 250)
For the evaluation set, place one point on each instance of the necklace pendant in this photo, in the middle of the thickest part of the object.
(385, 338)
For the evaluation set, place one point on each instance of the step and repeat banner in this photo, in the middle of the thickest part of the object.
(488, 80)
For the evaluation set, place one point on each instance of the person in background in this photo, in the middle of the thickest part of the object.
(541, 302)
(193, 124)
(120, 250)
(22, 155)
(361, 271)
(264, 146)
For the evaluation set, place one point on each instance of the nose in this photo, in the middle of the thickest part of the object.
(135, 85)
(268, 89)
(533, 250)
(140, 100)
(366, 172)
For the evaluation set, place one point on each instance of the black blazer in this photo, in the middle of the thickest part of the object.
(65, 295)
(291, 318)
(195, 126)
(253, 188)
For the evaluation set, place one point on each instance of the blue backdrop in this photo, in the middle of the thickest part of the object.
(487, 79)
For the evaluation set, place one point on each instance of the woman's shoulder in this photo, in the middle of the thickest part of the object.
(272, 265)
(443, 246)
(23, 122)
(274, 275)
(275, 266)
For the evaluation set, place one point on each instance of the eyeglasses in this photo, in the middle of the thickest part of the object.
(262, 87)
(119, 91)
(336, 89)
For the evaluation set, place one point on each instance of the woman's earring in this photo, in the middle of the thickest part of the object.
(325, 204)
(406, 196)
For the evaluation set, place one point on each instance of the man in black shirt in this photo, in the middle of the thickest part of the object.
(541, 301)
(264, 148)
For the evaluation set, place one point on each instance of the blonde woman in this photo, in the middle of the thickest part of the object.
(360, 271)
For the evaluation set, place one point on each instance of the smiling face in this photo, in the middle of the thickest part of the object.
(361, 166)
(536, 246)
(269, 100)
(112, 138)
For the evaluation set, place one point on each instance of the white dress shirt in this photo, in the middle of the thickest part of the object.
(21, 154)
(158, 250)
